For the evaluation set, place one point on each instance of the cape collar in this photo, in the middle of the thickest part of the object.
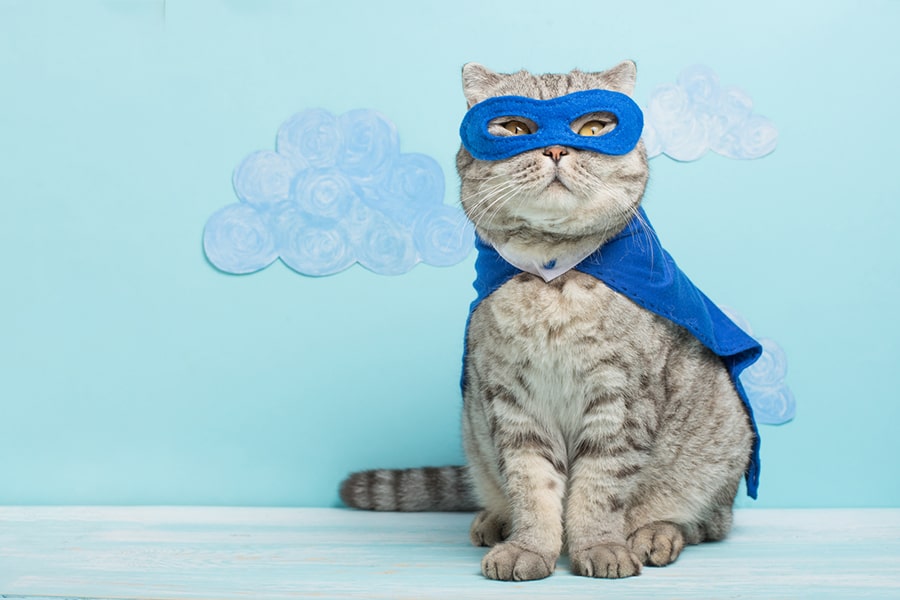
(546, 270)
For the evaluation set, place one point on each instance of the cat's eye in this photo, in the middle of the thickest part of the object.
(517, 127)
(594, 128)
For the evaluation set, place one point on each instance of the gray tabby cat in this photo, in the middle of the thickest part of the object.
(588, 422)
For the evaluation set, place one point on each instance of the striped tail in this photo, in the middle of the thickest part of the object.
(442, 489)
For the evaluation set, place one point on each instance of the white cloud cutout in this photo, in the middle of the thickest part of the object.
(764, 381)
(337, 191)
(684, 120)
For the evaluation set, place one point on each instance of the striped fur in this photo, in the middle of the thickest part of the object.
(589, 423)
(442, 489)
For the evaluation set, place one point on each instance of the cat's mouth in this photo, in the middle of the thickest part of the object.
(556, 184)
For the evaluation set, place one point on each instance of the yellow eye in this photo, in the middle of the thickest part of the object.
(593, 128)
(517, 127)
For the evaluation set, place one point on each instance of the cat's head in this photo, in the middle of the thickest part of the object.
(554, 192)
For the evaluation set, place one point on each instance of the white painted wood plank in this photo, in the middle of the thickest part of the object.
(233, 553)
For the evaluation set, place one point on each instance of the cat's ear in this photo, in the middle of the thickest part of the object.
(620, 78)
(478, 82)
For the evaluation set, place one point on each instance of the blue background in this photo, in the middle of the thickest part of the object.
(131, 371)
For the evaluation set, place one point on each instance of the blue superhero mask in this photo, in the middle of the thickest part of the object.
(554, 120)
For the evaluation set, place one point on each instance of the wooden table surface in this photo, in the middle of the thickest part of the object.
(274, 553)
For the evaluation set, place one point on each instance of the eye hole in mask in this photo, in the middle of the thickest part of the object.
(595, 125)
(510, 126)
(517, 128)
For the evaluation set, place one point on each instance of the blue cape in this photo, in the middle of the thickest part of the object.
(635, 264)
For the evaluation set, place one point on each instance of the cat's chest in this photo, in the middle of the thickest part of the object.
(555, 314)
(563, 333)
(564, 344)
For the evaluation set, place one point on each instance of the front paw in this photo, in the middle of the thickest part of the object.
(610, 561)
(509, 562)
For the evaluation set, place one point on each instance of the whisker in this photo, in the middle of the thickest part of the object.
(493, 209)
(489, 199)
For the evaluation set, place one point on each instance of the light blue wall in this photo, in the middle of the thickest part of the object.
(131, 371)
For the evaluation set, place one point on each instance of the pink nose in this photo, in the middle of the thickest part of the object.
(555, 152)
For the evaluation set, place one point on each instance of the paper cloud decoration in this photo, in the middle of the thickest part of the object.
(764, 381)
(336, 191)
(686, 119)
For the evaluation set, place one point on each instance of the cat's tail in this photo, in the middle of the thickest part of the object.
(442, 489)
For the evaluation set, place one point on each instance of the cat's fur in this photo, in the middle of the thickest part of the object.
(588, 423)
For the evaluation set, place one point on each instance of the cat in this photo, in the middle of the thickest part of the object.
(590, 423)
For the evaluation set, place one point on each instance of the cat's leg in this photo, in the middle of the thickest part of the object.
(517, 465)
(666, 518)
(520, 478)
(535, 486)
(659, 543)
(607, 462)
(493, 524)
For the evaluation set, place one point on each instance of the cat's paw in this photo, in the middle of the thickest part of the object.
(489, 529)
(610, 561)
(509, 562)
(657, 544)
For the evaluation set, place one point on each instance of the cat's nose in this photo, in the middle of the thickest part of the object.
(555, 152)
